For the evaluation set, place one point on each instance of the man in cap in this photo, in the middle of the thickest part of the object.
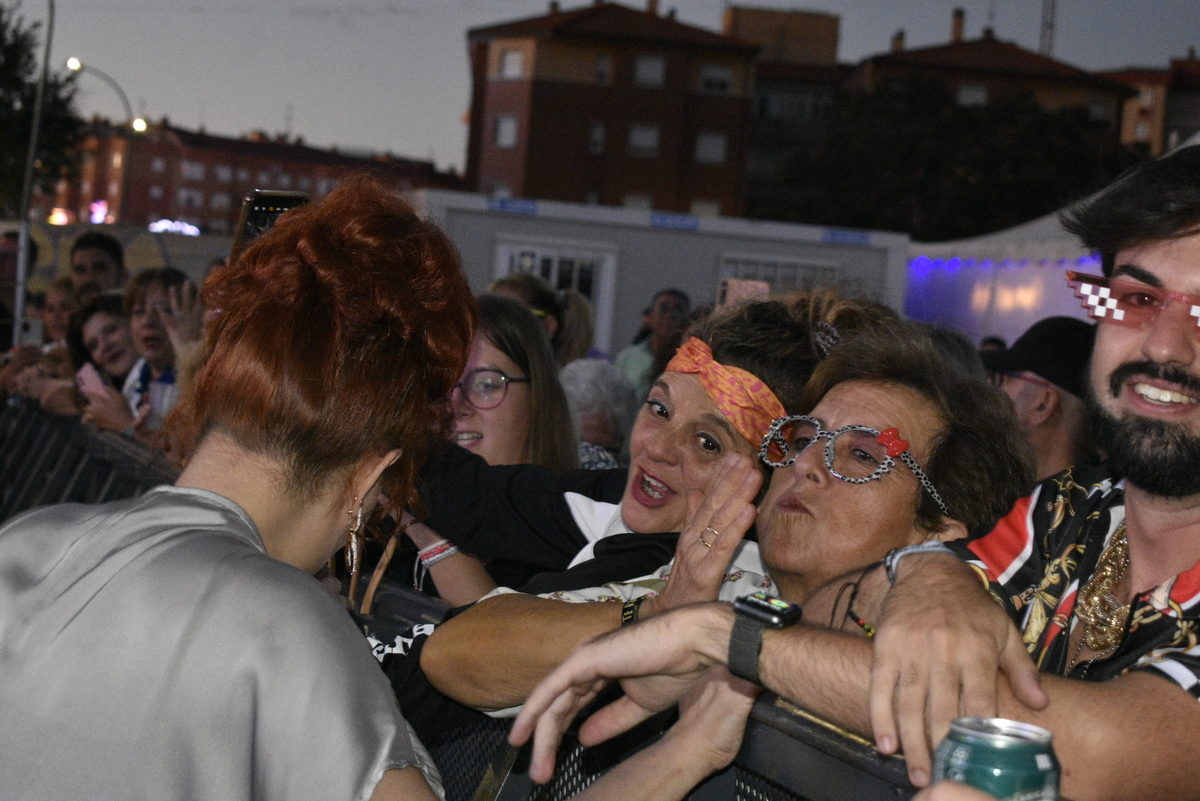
(1043, 373)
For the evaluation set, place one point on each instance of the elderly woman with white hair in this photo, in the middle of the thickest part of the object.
(604, 405)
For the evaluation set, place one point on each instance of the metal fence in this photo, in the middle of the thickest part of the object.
(46, 459)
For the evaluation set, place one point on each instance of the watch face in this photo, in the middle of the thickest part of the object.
(769, 610)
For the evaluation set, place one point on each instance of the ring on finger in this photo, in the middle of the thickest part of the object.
(713, 530)
(705, 542)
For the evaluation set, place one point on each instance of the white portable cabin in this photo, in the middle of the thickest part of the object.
(620, 257)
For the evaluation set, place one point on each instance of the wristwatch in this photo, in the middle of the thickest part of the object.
(752, 614)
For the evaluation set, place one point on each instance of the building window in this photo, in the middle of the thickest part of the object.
(506, 131)
(190, 198)
(116, 161)
(324, 186)
(219, 201)
(972, 94)
(304, 183)
(243, 174)
(710, 147)
(1141, 132)
(649, 71)
(114, 189)
(643, 141)
(264, 178)
(1145, 97)
(716, 79)
(781, 273)
(223, 173)
(512, 64)
(158, 164)
(706, 208)
(191, 170)
(155, 192)
(285, 181)
(634, 200)
(596, 139)
(603, 68)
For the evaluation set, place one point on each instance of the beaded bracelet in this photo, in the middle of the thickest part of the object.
(430, 554)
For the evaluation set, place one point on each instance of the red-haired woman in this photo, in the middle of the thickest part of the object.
(176, 646)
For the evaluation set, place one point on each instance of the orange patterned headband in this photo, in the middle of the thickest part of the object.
(740, 395)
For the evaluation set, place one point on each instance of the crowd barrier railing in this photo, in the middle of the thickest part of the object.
(47, 459)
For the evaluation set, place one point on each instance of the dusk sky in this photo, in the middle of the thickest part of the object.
(391, 75)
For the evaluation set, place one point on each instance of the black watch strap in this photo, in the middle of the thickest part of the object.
(745, 644)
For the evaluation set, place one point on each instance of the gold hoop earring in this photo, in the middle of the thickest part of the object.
(352, 540)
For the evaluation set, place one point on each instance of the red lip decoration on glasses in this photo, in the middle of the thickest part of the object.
(890, 439)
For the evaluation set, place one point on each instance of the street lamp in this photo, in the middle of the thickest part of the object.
(136, 123)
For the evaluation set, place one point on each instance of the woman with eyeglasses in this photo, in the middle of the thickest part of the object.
(510, 381)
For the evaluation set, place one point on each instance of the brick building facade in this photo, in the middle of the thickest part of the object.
(611, 105)
(200, 179)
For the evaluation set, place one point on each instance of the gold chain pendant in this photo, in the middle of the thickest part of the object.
(1102, 615)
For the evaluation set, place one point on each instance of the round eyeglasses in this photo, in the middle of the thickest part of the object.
(485, 388)
(856, 454)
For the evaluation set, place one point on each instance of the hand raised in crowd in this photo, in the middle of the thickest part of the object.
(658, 661)
(706, 546)
(19, 359)
(184, 316)
(940, 644)
(107, 409)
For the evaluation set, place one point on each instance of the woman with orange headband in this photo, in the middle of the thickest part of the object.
(733, 375)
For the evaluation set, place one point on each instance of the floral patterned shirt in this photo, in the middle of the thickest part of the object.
(1038, 556)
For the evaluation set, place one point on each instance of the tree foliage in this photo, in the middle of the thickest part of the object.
(62, 128)
(909, 158)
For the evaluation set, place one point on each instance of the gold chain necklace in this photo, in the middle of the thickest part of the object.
(1101, 614)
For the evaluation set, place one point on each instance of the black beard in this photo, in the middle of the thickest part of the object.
(1156, 456)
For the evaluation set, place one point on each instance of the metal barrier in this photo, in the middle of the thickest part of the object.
(47, 459)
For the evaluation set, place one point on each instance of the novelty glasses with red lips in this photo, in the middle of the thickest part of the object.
(856, 454)
(1128, 303)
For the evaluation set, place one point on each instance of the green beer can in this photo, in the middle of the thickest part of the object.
(1010, 760)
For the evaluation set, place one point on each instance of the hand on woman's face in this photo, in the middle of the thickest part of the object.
(814, 527)
(676, 448)
(500, 434)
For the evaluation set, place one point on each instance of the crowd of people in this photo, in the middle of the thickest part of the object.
(1010, 532)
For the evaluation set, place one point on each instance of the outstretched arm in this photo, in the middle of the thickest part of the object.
(494, 654)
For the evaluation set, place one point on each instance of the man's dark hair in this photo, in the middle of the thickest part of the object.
(1153, 201)
(101, 241)
(674, 293)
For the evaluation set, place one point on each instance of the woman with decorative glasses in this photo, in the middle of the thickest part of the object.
(177, 646)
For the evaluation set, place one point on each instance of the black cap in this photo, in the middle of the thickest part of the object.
(1057, 349)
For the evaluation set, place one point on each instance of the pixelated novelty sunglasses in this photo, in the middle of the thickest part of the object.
(1128, 303)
